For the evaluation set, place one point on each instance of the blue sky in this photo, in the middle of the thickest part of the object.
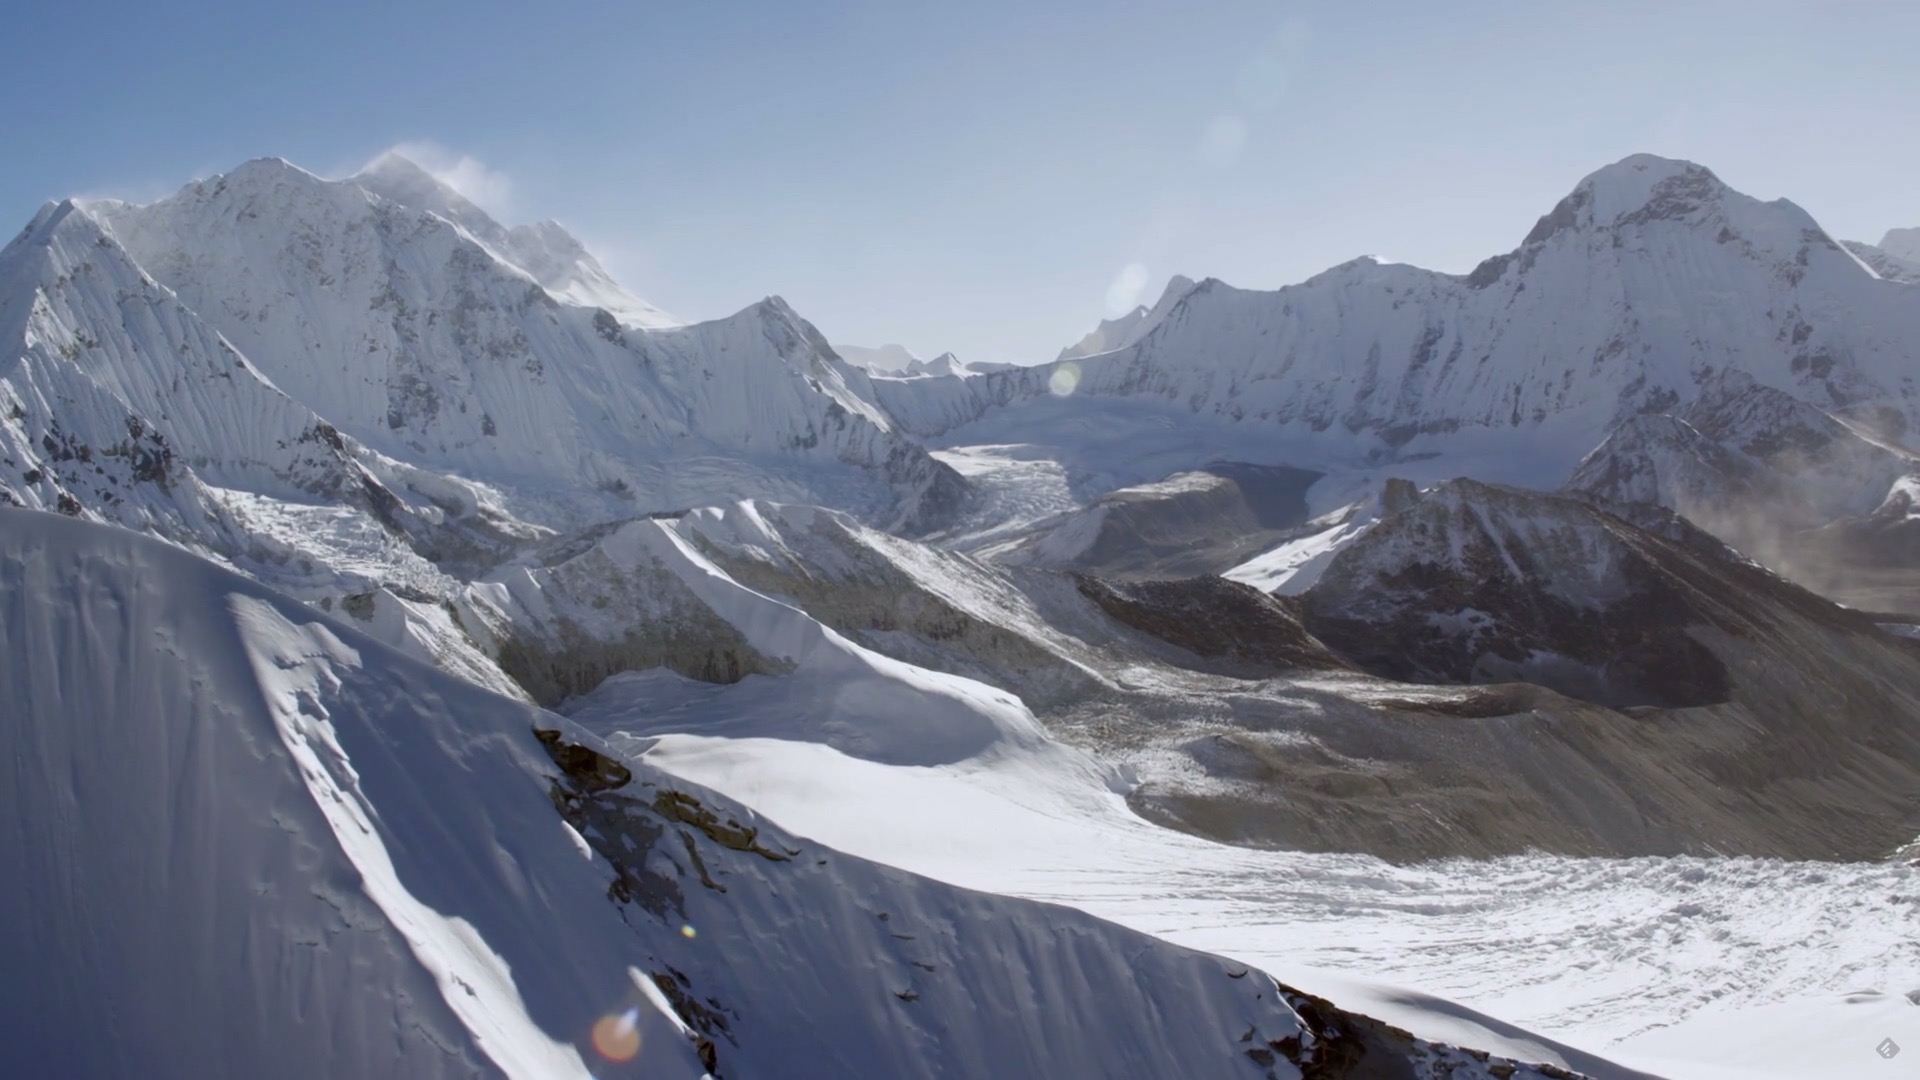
(979, 176)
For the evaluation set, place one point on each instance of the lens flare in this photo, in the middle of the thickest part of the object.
(617, 1038)
(688, 932)
(1064, 379)
(1125, 290)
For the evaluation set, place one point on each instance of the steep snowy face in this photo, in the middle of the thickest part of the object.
(1641, 284)
(413, 330)
(118, 402)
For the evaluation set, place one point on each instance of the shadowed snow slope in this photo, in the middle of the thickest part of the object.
(247, 841)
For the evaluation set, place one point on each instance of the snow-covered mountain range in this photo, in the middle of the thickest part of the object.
(1644, 283)
(1387, 563)
(429, 339)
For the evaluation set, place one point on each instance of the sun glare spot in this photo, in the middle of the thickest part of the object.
(1064, 379)
(1126, 288)
(617, 1038)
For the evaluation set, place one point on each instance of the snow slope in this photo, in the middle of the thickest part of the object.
(649, 578)
(1292, 567)
(253, 842)
(247, 843)
(1541, 958)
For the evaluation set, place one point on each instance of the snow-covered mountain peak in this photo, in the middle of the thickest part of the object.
(1645, 192)
(291, 199)
(1646, 279)
(46, 218)
(1124, 330)
(396, 177)
(439, 339)
(1642, 182)
(545, 249)
(880, 360)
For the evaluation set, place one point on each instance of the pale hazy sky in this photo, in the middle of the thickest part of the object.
(987, 177)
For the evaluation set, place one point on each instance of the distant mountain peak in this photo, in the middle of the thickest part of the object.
(1124, 330)
(881, 360)
(393, 165)
(1902, 244)
(1635, 189)
(400, 179)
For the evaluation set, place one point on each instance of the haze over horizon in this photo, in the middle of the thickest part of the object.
(991, 181)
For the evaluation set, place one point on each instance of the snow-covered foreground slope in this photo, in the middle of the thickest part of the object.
(242, 843)
(1538, 957)
(248, 841)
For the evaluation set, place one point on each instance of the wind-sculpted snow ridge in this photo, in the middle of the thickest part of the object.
(425, 330)
(248, 841)
(1646, 280)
